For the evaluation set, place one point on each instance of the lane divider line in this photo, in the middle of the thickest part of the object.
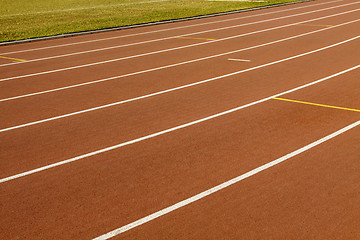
(14, 59)
(40, 169)
(168, 29)
(224, 185)
(239, 60)
(171, 65)
(316, 104)
(171, 49)
(176, 88)
(182, 35)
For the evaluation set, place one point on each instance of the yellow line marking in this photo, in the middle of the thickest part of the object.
(315, 25)
(14, 59)
(316, 104)
(207, 39)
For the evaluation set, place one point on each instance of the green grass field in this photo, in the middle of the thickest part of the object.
(22, 19)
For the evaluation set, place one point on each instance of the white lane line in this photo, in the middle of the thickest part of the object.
(173, 37)
(176, 88)
(6, 179)
(167, 29)
(171, 49)
(239, 60)
(172, 65)
(224, 185)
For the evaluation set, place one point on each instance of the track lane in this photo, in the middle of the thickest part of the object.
(313, 195)
(79, 196)
(123, 185)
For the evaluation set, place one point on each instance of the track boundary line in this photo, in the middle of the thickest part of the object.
(225, 184)
(74, 159)
(176, 88)
(171, 65)
(317, 104)
(157, 23)
(168, 50)
(175, 37)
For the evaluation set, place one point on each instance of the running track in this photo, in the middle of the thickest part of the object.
(243, 126)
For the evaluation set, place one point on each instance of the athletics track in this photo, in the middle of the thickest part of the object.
(242, 126)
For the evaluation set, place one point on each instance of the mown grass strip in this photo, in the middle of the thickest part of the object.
(23, 19)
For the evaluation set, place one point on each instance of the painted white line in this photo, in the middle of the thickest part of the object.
(239, 60)
(171, 65)
(175, 89)
(169, 130)
(224, 185)
(167, 29)
(167, 38)
(171, 49)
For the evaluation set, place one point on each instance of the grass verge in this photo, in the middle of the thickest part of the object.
(23, 19)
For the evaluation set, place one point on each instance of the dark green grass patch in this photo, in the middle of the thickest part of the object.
(22, 19)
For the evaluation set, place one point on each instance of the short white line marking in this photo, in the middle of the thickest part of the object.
(168, 29)
(224, 185)
(167, 38)
(239, 60)
(176, 88)
(171, 49)
(171, 65)
(170, 129)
